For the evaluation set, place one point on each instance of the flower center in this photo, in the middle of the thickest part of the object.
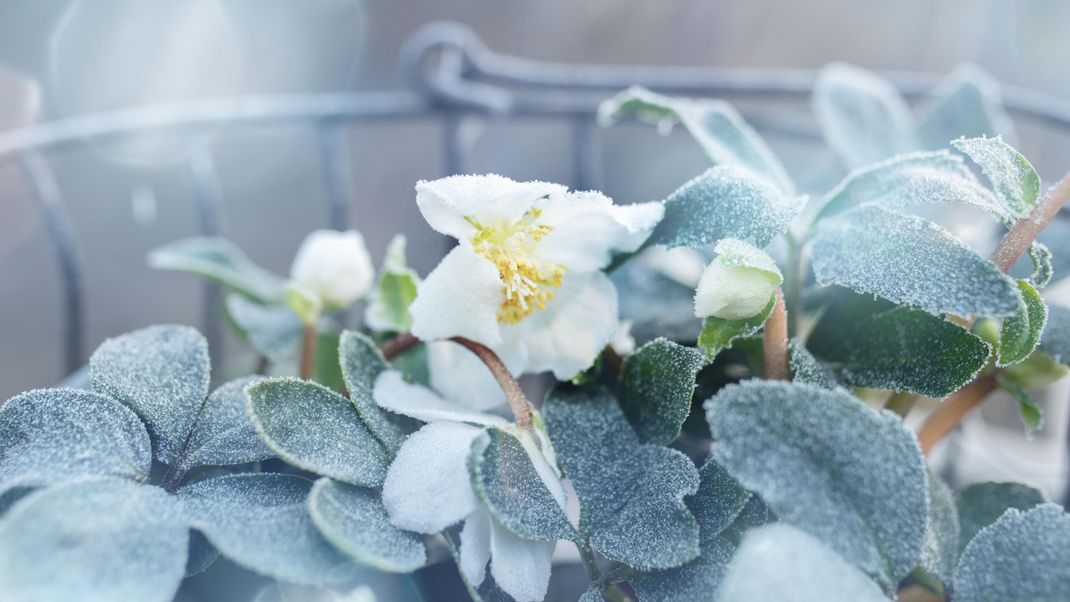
(529, 282)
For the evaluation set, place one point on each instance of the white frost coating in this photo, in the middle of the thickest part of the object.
(681, 264)
(520, 567)
(335, 266)
(863, 117)
(782, 563)
(415, 401)
(587, 229)
(738, 284)
(459, 375)
(460, 297)
(475, 546)
(223, 434)
(445, 202)
(94, 540)
(1011, 175)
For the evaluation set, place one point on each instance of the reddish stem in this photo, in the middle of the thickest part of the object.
(308, 351)
(775, 343)
(950, 413)
(398, 345)
(518, 402)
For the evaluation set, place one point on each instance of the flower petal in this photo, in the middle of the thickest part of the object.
(427, 487)
(568, 335)
(462, 378)
(520, 567)
(460, 297)
(392, 393)
(587, 228)
(475, 546)
(446, 202)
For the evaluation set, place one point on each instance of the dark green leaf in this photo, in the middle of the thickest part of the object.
(719, 334)
(656, 384)
(1020, 333)
(719, 501)
(805, 368)
(1032, 415)
(362, 362)
(326, 370)
(696, 581)
(981, 504)
(222, 261)
(388, 306)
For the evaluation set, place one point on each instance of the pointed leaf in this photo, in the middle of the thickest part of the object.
(388, 305)
(220, 260)
(656, 384)
(1020, 333)
(1032, 415)
(719, 501)
(695, 581)
(940, 554)
(1012, 176)
(981, 504)
(362, 362)
(967, 103)
(223, 434)
(273, 330)
(718, 334)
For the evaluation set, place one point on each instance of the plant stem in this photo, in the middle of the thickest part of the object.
(1018, 239)
(589, 564)
(308, 351)
(901, 403)
(518, 402)
(775, 339)
(950, 413)
(398, 345)
(612, 360)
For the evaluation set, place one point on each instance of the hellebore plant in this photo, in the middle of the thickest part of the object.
(738, 454)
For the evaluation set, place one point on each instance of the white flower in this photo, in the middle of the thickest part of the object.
(738, 284)
(526, 278)
(428, 489)
(623, 343)
(335, 266)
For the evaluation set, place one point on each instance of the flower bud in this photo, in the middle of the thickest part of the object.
(335, 266)
(734, 292)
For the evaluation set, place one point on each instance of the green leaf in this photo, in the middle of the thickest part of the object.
(967, 103)
(1043, 260)
(725, 202)
(273, 330)
(656, 305)
(261, 522)
(909, 260)
(222, 261)
(719, 501)
(303, 301)
(715, 125)
(1023, 556)
(1020, 333)
(782, 563)
(753, 515)
(940, 553)
(1012, 176)
(354, 521)
(630, 494)
(695, 581)
(863, 117)
(1056, 338)
(805, 368)
(326, 367)
(52, 435)
(223, 434)
(362, 362)
(981, 504)
(316, 429)
(201, 555)
(388, 305)
(160, 372)
(718, 334)
(1032, 415)
(656, 384)
(511, 489)
(870, 343)
(826, 463)
(93, 540)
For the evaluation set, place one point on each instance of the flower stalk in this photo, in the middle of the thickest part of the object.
(775, 342)
(308, 351)
(518, 402)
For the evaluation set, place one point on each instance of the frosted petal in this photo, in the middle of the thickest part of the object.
(520, 567)
(446, 202)
(460, 297)
(587, 229)
(393, 393)
(475, 547)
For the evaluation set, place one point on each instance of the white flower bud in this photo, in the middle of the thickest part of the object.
(335, 266)
(734, 292)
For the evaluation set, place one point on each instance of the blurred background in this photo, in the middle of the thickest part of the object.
(125, 196)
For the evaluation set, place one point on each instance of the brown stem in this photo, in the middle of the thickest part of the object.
(950, 413)
(518, 402)
(1018, 239)
(775, 339)
(612, 360)
(308, 351)
(398, 345)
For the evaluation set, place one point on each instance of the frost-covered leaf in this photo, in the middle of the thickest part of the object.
(721, 132)
(1032, 415)
(1020, 333)
(870, 343)
(805, 368)
(940, 554)
(696, 581)
(261, 522)
(631, 494)
(388, 304)
(160, 372)
(719, 501)
(725, 202)
(93, 540)
(51, 435)
(327, 365)
(909, 260)
(1023, 556)
(718, 334)
(782, 563)
(506, 481)
(316, 429)
(223, 434)
(1043, 261)
(1056, 338)
(273, 330)
(1012, 176)
(656, 384)
(593, 594)
(656, 305)
(981, 504)
(201, 554)
(826, 463)
(362, 362)
(353, 519)
(222, 261)
(753, 515)
(967, 103)
(863, 117)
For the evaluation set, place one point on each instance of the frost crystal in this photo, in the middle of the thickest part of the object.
(1010, 173)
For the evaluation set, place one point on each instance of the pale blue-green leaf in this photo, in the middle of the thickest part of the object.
(220, 260)
(1032, 415)
(362, 362)
(273, 330)
(696, 581)
(967, 103)
(223, 434)
(718, 334)
(316, 429)
(826, 463)
(725, 202)
(160, 372)
(782, 563)
(715, 125)
(863, 117)
(631, 494)
(93, 540)
(805, 368)
(981, 504)
(52, 435)
(353, 519)
(909, 260)
(201, 554)
(719, 501)
(388, 304)
(656, 384)
(1056, 338)
(940, 554)
(656, 305)
(1023, 556)
(1012, 176)
(1043, 259)
(1020, 333)
(261, 522)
